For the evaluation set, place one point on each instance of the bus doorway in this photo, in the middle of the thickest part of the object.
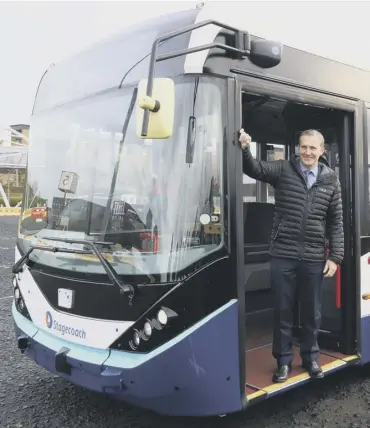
(274, 125)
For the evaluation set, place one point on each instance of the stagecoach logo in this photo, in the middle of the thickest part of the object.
(48, 320)
(62, 328)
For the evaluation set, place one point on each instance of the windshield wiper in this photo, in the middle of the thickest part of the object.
(25, 258)
(112, 275)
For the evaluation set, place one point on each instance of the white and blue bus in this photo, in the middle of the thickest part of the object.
(142, 260)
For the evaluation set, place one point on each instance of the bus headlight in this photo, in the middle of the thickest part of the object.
(136, 338)
(14, 281)
(148, 330)
(162, 317)
(20, 304)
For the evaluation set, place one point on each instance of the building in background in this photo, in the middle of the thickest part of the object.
(13, 163)
(22, 129)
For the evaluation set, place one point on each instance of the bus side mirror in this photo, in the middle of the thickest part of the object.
(266, 53)
(160, 107)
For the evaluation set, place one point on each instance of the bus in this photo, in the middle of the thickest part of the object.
(142, 267)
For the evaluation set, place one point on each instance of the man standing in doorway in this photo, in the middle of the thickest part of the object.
(308, 210)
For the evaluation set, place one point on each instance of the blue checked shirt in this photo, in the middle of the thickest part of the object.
(310, 175)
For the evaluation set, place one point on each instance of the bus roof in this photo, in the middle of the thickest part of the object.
(302, 25)
(305, 28)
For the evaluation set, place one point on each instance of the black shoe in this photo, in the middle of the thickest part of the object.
(281, 373)
(314, 370)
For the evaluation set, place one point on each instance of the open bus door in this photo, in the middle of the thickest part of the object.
(364, 321)
(274, 122)
(338, 331)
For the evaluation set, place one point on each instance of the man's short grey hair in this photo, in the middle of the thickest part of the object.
(313, 133)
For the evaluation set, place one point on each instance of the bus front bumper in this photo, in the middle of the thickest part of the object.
(196, 374)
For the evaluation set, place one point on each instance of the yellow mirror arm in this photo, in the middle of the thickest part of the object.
(148, 103)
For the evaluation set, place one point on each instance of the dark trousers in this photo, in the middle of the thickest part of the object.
(292, 279)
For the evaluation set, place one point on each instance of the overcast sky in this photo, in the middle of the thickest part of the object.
(35, 34)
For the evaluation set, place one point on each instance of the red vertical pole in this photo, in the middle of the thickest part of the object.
(337, 288)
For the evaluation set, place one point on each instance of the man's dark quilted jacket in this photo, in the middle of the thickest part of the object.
(304, 219)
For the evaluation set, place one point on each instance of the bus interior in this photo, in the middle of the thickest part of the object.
(274, 125)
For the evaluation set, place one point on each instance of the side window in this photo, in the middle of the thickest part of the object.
(249, 184)
(264, 119)
(262, 192)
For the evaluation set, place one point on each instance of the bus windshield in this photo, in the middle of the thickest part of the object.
(89, 178)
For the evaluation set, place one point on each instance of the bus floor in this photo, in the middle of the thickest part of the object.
(260, 363)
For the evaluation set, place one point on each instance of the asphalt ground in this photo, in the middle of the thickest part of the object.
(30, 397)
